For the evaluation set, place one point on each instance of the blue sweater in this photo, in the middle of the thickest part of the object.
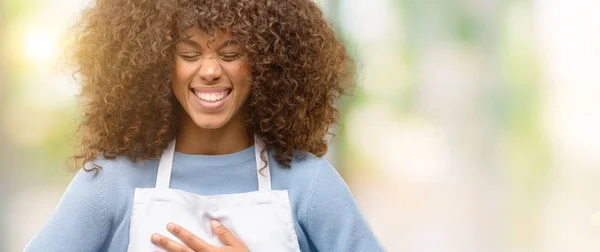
(94, 212)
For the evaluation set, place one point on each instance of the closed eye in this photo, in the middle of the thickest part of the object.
(189, 57)
(230, 56)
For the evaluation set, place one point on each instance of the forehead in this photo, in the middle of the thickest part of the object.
(201, 37)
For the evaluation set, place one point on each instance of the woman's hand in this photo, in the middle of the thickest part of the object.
(195, 244)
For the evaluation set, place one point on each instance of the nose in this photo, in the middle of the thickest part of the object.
(210, 70)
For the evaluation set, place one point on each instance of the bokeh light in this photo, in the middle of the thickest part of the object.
(40, 46)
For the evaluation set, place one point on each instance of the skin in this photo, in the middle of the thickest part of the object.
(218, 65)
(195, 244)
(208, 67)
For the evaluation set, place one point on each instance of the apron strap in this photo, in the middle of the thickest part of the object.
(264, 179)
(163, 176)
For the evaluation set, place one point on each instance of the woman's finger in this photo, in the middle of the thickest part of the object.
(169, 245)
(226, 236)
(188, 238)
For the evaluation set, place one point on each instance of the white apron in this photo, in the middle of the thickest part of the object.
(261, 219)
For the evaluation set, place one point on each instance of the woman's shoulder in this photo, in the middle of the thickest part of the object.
(307, 161)
(301, 161)
(111, 182)
(305, 168)
(121, 171)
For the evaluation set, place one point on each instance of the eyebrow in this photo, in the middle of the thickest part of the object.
(230, 42)
(191, 42)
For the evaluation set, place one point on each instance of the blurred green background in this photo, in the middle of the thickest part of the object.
(475, 125)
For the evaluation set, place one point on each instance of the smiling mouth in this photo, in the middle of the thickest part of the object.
(211, 96)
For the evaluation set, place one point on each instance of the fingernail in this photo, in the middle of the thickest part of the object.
(215, 223)
(170, 226)
(155, 238)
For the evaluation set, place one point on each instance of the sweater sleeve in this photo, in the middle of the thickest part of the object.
(79, 221)
(334, 221)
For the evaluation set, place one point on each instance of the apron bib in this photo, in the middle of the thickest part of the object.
(261, 219)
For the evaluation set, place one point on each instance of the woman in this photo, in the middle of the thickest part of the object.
(203, 127)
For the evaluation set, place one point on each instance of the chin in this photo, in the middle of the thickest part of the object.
(209, 123)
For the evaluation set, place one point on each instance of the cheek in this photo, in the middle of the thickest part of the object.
(179, 83)
(182, 73)
(240, 76)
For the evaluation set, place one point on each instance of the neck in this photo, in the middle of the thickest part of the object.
(228, 139)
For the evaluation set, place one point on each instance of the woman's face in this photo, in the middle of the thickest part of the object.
(211, 79)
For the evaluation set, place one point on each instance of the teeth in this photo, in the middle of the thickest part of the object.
(212, 97)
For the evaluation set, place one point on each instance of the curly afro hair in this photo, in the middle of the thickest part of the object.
(123, 53)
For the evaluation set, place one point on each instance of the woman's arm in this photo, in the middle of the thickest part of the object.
(334, 221)
(80, 221)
